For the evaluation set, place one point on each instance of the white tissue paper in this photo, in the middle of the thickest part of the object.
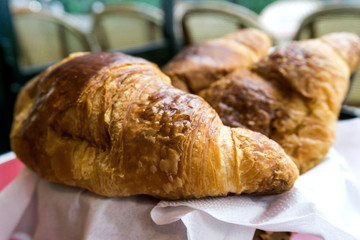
(324, 201)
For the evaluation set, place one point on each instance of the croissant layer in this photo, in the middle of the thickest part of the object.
(113, 124)
(293, 96)
(199, 65)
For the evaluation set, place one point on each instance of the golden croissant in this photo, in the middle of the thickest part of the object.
(293, 95)
(199, 65)
(114, 124)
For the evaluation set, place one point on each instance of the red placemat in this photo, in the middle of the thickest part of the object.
(9, 169)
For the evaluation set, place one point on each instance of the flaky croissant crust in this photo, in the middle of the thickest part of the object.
(293, 96)
(196, 67)
(113, 124)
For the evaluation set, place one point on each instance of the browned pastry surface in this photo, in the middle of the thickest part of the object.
(115, 125)
(265, 235)
(293, 96)
(244, 99)
(199, 65)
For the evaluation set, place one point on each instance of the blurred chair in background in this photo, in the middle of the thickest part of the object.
(335, 18)
(283, 17)
(330, 18)
(125, 26)
(133, 28)
(44, 38)
(205, 20)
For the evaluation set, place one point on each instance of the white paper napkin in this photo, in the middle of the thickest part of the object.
(55, 211)
(347, 143)
(325, 202)
(15, 201)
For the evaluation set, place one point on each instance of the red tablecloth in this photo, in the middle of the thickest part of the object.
(10, 167)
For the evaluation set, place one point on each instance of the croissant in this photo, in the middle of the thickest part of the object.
(114, 124)
(199, 65)
(293, 96)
